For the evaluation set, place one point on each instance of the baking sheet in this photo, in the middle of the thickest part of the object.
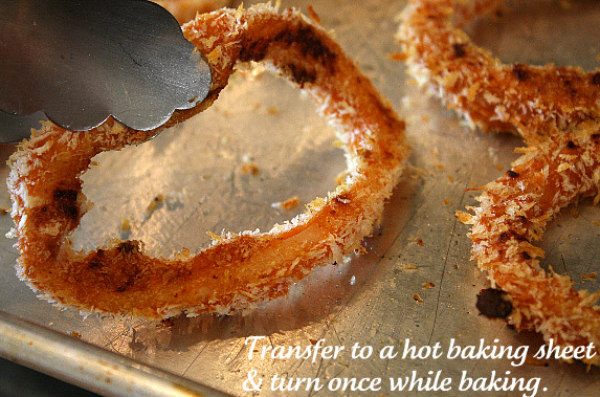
(261, 120)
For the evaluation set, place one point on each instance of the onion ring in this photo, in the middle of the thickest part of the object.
(241, 269)
(534, 101)
(514, 211)
(557, 111)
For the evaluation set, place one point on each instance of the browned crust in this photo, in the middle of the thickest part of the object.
(535, 101)
(239, 270)
(513, 213)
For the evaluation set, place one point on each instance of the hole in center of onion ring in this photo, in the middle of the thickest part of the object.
(260, 143)
(571, 242)
(541, 32)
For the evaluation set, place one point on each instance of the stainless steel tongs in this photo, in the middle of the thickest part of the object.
(79, 62)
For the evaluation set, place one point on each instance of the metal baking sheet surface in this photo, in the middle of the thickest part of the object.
(261, 119)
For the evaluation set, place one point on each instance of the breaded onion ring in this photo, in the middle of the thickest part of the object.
(513, 213)
(48, 203)
(535, 101)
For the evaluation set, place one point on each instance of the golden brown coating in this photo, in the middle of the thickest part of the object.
(557, 111)
(535, 101)
(514, 210)
(240, 269)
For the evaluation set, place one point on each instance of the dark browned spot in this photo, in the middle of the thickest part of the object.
(128, 247)
(300, 75)
(525, 255)
(571, 145)
(493, 303)
(459, 49)
(596, 78)
(124, 287)
(512, 174)
(596, 137)
(254, 51)
(504, 237)
(523, 218)
(309, 43)
(66, 202)
(65, 194)
(570, 87)
(96, 262)
(520, 72)
(305, 39)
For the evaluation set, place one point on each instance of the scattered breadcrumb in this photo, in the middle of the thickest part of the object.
(417, 240)
(589, 276)
(214, 236)
(463, 217)
(439, 166)
(525, 149)
(250, 169)
(272, 110)
(398, 56)
(288, 204)
(428, 285)
(75, 334)
(125, 226)
(4, 210)
(418, 298)
(183, 254)
(446, 201)
(338, 144)
(408, 267)
(313, 14)
(156, 203)
(450, 178)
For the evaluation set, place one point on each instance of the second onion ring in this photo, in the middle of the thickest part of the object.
(242, 269)
(514, 210)
(535, 101)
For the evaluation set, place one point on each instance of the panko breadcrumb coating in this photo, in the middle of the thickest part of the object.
(238, 270)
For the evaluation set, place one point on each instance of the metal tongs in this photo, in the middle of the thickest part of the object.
(79, 62)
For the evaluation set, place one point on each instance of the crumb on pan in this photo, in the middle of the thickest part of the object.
(417, 298)
(428, 285)
(408, 267)
(398, 56)
(125, 226)
(287, 204)
(589, 276)
(250, 168)
(156, 204)
(313, 14)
